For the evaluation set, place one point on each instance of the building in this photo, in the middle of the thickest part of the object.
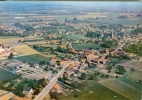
(27, 90)
(4, 95)
(56, 88)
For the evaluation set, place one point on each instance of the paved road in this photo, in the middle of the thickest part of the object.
(44, 92)
(121, 46)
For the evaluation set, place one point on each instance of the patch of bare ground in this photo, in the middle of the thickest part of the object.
(137, 65)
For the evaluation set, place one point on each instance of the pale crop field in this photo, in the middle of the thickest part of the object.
(92, 15)
(24, 50)
(137, 65)
(10, 39)
(33, 38)
(122, 88)
(36, 43)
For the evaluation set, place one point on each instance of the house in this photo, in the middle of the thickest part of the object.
(107, 51)
(7, 46)
(4, 95)
(38, 33)
(49, 78)
(90, 57)
(36, 66)
(71, 66)
(7, 52)
(21, 64)
(102, 60)
(74, 51)
(68, 82)
(27, 90)
(17, 70)
(56, 88)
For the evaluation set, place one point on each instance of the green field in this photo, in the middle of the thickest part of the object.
(136, 85)
(35, 58)
(92, 90)
(75, 36)
(85, 46)
(5, 74)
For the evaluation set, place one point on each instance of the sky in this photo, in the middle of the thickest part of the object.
(79, 3)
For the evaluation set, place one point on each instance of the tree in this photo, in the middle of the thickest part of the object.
(42, 62)
(120, 70)
(83, 75)
(91, 77)
(19, 41)
(11, 56)
(46, 68)
(93, 34)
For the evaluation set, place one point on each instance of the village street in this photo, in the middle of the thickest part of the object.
(53, 81)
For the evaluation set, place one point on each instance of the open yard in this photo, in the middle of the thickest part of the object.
(35, 58)
(10, 39)
(38, 75)
(24, 50)
(122, 88)
(5, 74)
(85, 46)
(91, 90)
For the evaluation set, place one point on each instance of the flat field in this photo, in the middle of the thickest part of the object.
(75, 36)
(137, 65)
(35, 58)
(134, 84)
(25, 50)
(10, 39)
(122, 88)
(5, 74)
(91, 90)
(34, 38)
(36, 42)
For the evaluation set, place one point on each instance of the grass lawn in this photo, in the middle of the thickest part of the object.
(85, 46)
(92, 90)
(35, 58)
(5, 74)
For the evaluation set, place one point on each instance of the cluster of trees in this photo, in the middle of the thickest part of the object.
(37, 85)
(108, 44)
(59, 49)
(136, 31)
(11, 56)
(7, 33)
(135, 48)
(27, 27)
(120, 70)
(40, 48)
(94, 34)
